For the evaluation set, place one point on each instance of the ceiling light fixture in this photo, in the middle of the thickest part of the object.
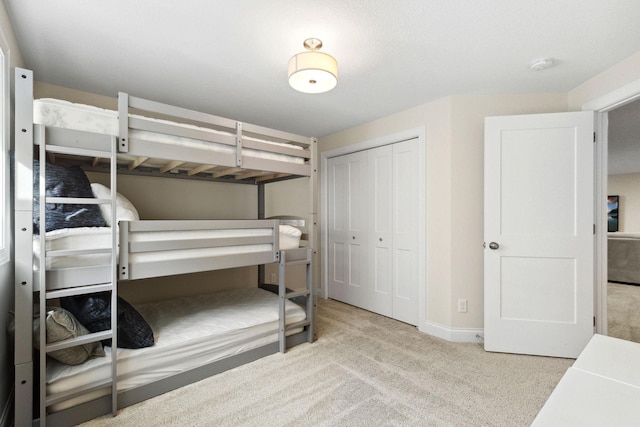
(541, 64)
(313, 71)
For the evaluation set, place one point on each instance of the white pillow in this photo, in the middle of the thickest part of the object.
(289, 237)
(125, 211)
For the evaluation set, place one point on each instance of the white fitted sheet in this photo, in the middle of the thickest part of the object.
(89, 238)
(88, 118)
(189, 332)
(81, 238)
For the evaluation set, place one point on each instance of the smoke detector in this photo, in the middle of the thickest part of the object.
(541, 64)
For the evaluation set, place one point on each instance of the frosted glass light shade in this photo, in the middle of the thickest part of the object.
(313, 72)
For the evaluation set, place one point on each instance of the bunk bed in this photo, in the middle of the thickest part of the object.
(158, 139)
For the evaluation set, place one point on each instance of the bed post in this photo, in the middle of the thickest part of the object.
(261, 213)
(314, 232)
(23, 232)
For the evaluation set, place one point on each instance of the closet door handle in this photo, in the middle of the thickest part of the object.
(493, 245)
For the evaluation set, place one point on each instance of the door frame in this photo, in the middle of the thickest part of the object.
(602, 105)
(420, 134)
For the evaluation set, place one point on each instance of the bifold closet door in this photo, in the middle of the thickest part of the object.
(347, 228)
(372, 230)
(393, 239)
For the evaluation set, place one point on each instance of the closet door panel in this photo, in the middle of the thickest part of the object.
(357, 229)
(380, 163)
(337, 203)
(405, 237)
(347, 275)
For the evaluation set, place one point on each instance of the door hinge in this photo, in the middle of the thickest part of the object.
(594, 229)
(594, 321)
(594, 137)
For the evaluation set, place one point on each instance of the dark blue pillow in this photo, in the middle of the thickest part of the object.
(62, 181)
(94, 312)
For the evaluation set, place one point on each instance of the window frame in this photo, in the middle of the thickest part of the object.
(5, 128)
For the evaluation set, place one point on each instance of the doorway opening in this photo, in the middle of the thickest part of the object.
(623, 217)
(602, 106)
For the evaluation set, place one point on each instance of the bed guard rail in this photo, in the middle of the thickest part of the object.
(155, 248)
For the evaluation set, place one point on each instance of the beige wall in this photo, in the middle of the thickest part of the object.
(627, 186)
(625, 72)
(46, 90)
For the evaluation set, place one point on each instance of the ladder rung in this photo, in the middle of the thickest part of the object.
(82, 339)
(79, 290)
(76, 201)
(71, 252)
(102, 201)
(70, 394)
(291, 295)
(78, 151)
(301, 262)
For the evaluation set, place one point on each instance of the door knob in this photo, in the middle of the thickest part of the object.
(493, 245)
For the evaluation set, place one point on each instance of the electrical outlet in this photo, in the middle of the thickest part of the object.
(274, 278)
(462, 306)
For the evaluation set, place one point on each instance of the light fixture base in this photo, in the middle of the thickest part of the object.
(312, 44)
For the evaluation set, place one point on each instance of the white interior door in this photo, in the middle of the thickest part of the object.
(539, 233)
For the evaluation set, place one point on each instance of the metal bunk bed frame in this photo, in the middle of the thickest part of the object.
(29, 282)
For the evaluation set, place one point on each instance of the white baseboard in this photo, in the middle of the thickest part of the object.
(454, 334)
(6, 419)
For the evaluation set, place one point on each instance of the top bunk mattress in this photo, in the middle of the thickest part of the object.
(88, 118)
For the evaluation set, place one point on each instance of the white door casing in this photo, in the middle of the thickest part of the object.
(539, 233)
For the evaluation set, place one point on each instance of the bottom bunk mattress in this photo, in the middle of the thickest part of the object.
(189, 332)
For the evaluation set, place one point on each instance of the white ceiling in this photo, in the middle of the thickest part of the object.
(229, 58)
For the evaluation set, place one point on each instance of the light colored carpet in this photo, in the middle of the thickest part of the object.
(364, 370)
(623, 311)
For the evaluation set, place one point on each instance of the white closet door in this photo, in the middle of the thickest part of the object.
(405, 231)
(347, 228)
(380, 208)
(372, 230)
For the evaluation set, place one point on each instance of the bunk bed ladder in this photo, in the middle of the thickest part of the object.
(301, 256)
(47, 150)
